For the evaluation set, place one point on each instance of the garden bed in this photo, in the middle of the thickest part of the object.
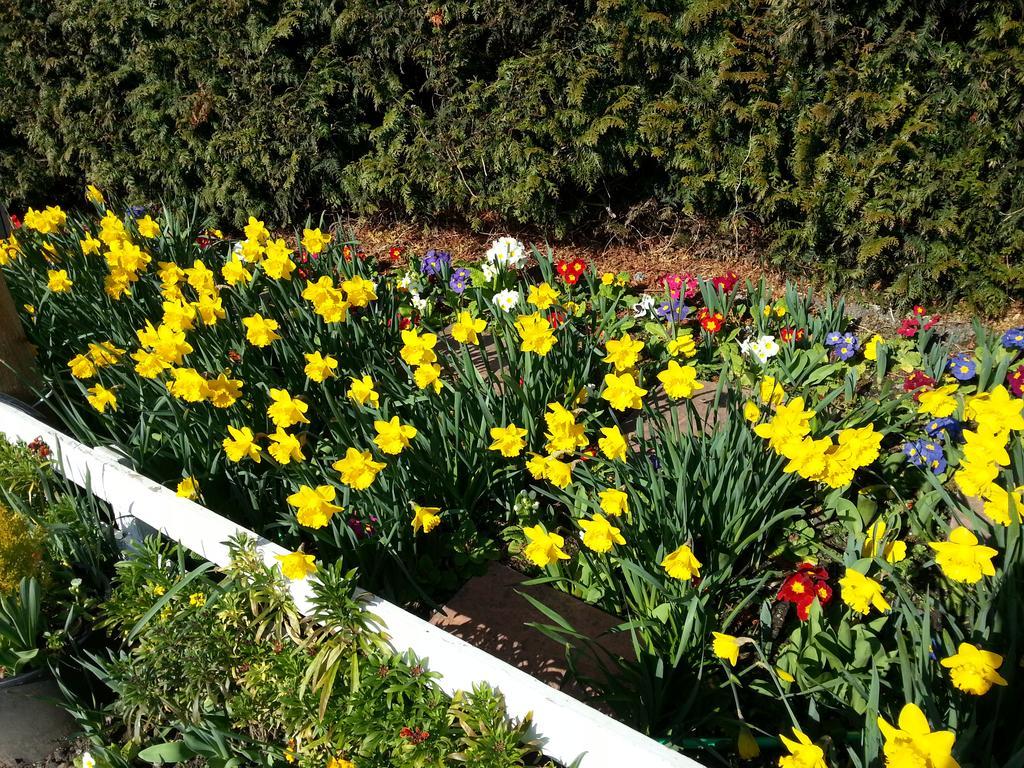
(568, 730)
(835, 549)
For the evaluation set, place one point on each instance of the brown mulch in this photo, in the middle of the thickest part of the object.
(703, 249)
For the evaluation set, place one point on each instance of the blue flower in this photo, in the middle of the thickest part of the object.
(844, 351)
(913, 452)
(937, 465)
(961, 367)
(136, 211)
(673, 309)
(930, 449)
(1014, 338)
(434, 262)
(951, 427)
(851, 340)
(460, 280)
(833, 338)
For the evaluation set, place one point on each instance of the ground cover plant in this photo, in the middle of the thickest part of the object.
(221, 668)
(811, 533)
(56, 550)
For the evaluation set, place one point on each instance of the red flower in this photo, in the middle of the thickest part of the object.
(807, 584)
(346, 251)
(909, 327)
(1015, 380)
(792, 334)
(917, 380)
(15, 221)
(725, 282)
(570, 271)
(414, 735)
(711, 322)
(919, 310)
(394, 253)
(404, 323)
(556, 318)
(932, 321)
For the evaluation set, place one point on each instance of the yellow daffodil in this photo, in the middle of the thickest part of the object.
(314, 241)
(428, 375)
(393, 436)
(418, 349)
(862, 593)
(681, 563)
(57, 281)
(599, 535)
(285, 448)
(223, 392)
(285, 410)
(241, 444)
(358, 291)
(914, 744)
(973, 670)
(260, 331)
(614, 502)
(535, 334)
(682, 346)
(93, 195)
(564, 435)
(296, 566)
(82, 367)
(938, 402)
(962, 558)
(313, 507)
(234, 272)
(726, 647)
(256, 230)
(466, 328)
(358, 469)
(425, 519)
(613, 444)
(622, 391)
(542, 296)
(509, 440)
(188, 488)
(361, 391)
(624, 352)
(543, 548)
(679, 380)
(101, 398)
(892, 551)
(147, 227)
(1001, 506)
(803, 753)
(319, 368)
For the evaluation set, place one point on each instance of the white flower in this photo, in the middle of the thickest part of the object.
(490, 271)
(644, 306)
(88, 761)
(506, 252)
(410, 281)
(418, 301)
(769, 345)
(506, 300)
(761, 350)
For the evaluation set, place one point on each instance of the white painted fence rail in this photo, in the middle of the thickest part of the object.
(567, 728)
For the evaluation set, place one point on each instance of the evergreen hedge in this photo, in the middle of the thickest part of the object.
(878, 141)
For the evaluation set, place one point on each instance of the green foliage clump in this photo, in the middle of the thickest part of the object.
(21, 549)
(226, 668)
(872, 142)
